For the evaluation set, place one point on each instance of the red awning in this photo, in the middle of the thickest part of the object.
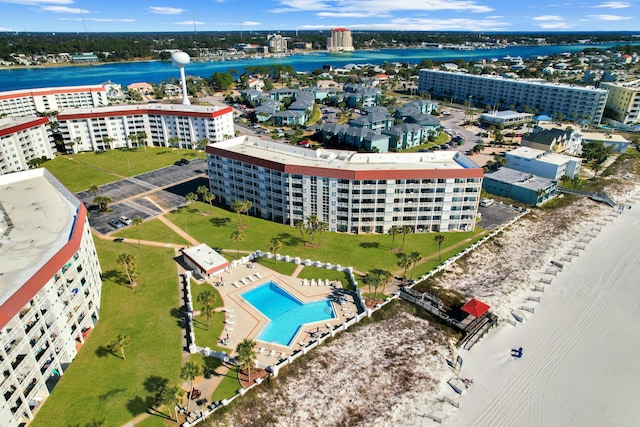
(475, 307)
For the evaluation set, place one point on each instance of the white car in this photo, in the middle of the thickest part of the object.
(125, 220)
(486, 202)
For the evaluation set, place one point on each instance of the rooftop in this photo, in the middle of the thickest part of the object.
(37, 215)
(206, 257)
(544, 156)
(341, 159)
(521, 179)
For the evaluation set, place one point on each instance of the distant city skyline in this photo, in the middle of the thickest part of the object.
(304, 15)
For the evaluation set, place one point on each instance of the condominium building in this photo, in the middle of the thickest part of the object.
(49, 288)
(340, 40)
(546, 164)
(556, 100)
(31, 102)
(624, 101)
(351, 192)
(165, 125)
(276, 43)
(23, 139)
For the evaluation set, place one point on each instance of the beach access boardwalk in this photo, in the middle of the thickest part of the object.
(473, 328)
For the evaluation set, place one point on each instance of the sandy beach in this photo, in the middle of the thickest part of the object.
(580, 347)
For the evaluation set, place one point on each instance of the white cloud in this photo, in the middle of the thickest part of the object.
(413, 24)
(190, 23)
(381, 6)
(613, 5)
(37, 2)
(558, 25)
(251, 24)
(160, 10)
(548, 18)
(63, 9)
(98, 19)
(7, 30)
(609, 17)
(352, 15)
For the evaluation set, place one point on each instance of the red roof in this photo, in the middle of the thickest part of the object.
(475, 307)
(339, 29)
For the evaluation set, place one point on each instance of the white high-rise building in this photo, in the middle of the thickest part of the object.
(31, 102)
(165, 125)
(340, 40)
(50, 288)
(276, 43)
(570, 102)
(23, 139)
(352, 192)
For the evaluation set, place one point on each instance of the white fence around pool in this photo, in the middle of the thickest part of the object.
(274, 369)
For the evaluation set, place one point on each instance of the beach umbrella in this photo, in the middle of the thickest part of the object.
(475, 307)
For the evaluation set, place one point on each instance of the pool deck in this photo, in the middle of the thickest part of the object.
(244, 321)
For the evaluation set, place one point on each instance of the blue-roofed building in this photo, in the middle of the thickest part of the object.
(266, 110)
(375, 122)
(404, 136)
(280, 94)
(366, 139)
(521, 186)
(289, 118)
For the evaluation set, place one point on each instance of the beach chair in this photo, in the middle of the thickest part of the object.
(313, 282)
(244, 281)
(261, 350)
(271, 353)
(320, 282)
(250, 278)
(229, 322)
(258, 275)
(235, 284)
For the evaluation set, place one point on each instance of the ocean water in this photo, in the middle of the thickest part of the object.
(157, 71)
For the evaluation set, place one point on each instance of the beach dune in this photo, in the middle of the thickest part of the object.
(580, 348)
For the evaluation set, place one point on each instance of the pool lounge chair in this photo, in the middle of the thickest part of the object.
(261, 350)
(249, 278)
(304, 282)
(320, 282)
(235, 284)
(313, 282)
(244, 281)
(271, 353)
(257, 275)
(229, 322)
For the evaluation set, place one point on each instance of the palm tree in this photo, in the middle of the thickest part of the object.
(312, 227)
(440, 239)
(119, 344)
(102, 202)
(415, 257)
(137, 221)
(189, 372)
(246, 356)
(142, 137)
(192, 197)
(94, 189)
(202, 190)
(274, 246)
(404, 262)
(129, 263)
(385, 276)
(406, 229)
(393, 232)
(301, 226)
(322, 226)
(209, 197)
(236, 237)
(170, 397)
(246, 207)
(207, 311)
(174, 141)
(206, 298)
(237, 206)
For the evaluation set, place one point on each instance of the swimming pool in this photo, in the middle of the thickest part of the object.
(286, 314)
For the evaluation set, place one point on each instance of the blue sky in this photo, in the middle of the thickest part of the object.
(274, 15)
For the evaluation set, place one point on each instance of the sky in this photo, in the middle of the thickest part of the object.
(273, 15)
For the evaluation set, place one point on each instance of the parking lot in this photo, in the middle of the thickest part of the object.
(146, 195)
(497, 214)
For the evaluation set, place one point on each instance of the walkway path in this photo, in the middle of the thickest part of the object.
(178, 230)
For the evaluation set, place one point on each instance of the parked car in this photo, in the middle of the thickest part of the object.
(125, 220)
(486, 202)
(116, 223)
(181, 162)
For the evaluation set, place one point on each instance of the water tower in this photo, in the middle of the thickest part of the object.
(180, 60)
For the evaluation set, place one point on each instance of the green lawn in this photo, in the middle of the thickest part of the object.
(282, 267)
(76, 176)
(153, 230)
(363, 252)
(82, 170)
(99, 386)
(324, 274)
(207, 335)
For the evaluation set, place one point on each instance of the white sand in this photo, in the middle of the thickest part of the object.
(581, 347)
